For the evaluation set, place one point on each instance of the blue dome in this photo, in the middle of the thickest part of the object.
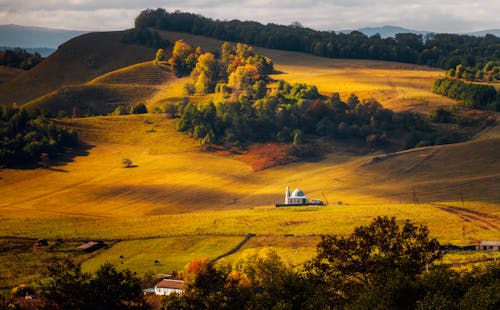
(297, 193)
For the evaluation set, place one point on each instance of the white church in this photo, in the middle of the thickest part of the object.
(297, 198)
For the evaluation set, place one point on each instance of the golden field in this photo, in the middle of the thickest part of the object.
(178, 203)
(177, 192)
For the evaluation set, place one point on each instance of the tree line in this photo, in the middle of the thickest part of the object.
(387, 264)
(489, 72)
(143, 36)
(25, 136)
(477, 96)
(438, 50)
(19, 58)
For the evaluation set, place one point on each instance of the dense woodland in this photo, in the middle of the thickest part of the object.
(19, 58)
(477, 96)
(388, 263)
(25, 136)
(255, 109)
(143, 36)
(438, 50)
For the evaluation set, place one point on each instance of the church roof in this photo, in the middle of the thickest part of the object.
(297, 193)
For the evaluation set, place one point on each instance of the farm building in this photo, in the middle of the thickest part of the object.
(297, 198)
(91, 246)
(167, 287)
(489, 246)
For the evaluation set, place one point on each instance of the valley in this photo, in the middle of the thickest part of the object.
(177, 202)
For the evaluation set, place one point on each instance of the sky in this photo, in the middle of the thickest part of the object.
(433, 15)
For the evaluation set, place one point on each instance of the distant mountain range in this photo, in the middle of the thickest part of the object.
(43, 40)
(391, 31)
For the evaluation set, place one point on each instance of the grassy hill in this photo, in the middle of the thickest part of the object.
(8, 73)
(76, 61)
(100, 96)
(178, 202)
(397, 86)
(195, 203)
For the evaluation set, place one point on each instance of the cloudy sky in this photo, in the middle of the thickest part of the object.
(438, 16)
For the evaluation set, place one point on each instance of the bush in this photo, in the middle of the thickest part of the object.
(139, 108)
(126, 163)
(120, 110)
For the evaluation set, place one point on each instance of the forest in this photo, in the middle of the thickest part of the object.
(30, 137)
(255, 109)
(477, 96)
(19, 58)
(437, 50)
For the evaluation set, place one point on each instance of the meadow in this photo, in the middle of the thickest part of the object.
(177, 203)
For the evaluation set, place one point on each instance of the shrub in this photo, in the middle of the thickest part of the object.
(126, 163)
(120, 110)
(139, 108)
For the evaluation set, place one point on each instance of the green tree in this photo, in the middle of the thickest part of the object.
(373, 254)
(139, 108)
(70, 288)
(298, 138)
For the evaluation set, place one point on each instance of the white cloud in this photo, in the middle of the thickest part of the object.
(439, 16)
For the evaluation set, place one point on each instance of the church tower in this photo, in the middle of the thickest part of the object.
(287, 195)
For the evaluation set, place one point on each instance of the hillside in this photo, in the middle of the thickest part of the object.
(397, 86)
(8, 73)
(75, 62)
(126, 87)
(176, 192)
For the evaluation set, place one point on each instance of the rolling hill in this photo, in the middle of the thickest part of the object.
(178, 202)
(89, 87)
(77, 61)
(123, 87)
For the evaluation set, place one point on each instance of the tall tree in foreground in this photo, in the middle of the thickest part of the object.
(377, 264)
(70, 288)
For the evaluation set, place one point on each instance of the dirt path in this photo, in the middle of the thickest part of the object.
(483, 220)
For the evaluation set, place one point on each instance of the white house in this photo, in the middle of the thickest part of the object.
(167, 287)
(489, 246)
(295, 198)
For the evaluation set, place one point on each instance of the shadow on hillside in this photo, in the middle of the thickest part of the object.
(69, 155)
(180, 198)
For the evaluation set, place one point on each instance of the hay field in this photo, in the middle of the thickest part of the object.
(200, 204)
(174, 180)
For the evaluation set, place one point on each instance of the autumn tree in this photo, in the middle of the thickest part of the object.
(183, 58)
(160, 56)
(205, 73)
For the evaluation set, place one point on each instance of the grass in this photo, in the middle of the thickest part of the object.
(192, 200)
(8, 73)
(178, 192)
(20, 262)
(397, 86)
(77, 61)
(161, 255)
